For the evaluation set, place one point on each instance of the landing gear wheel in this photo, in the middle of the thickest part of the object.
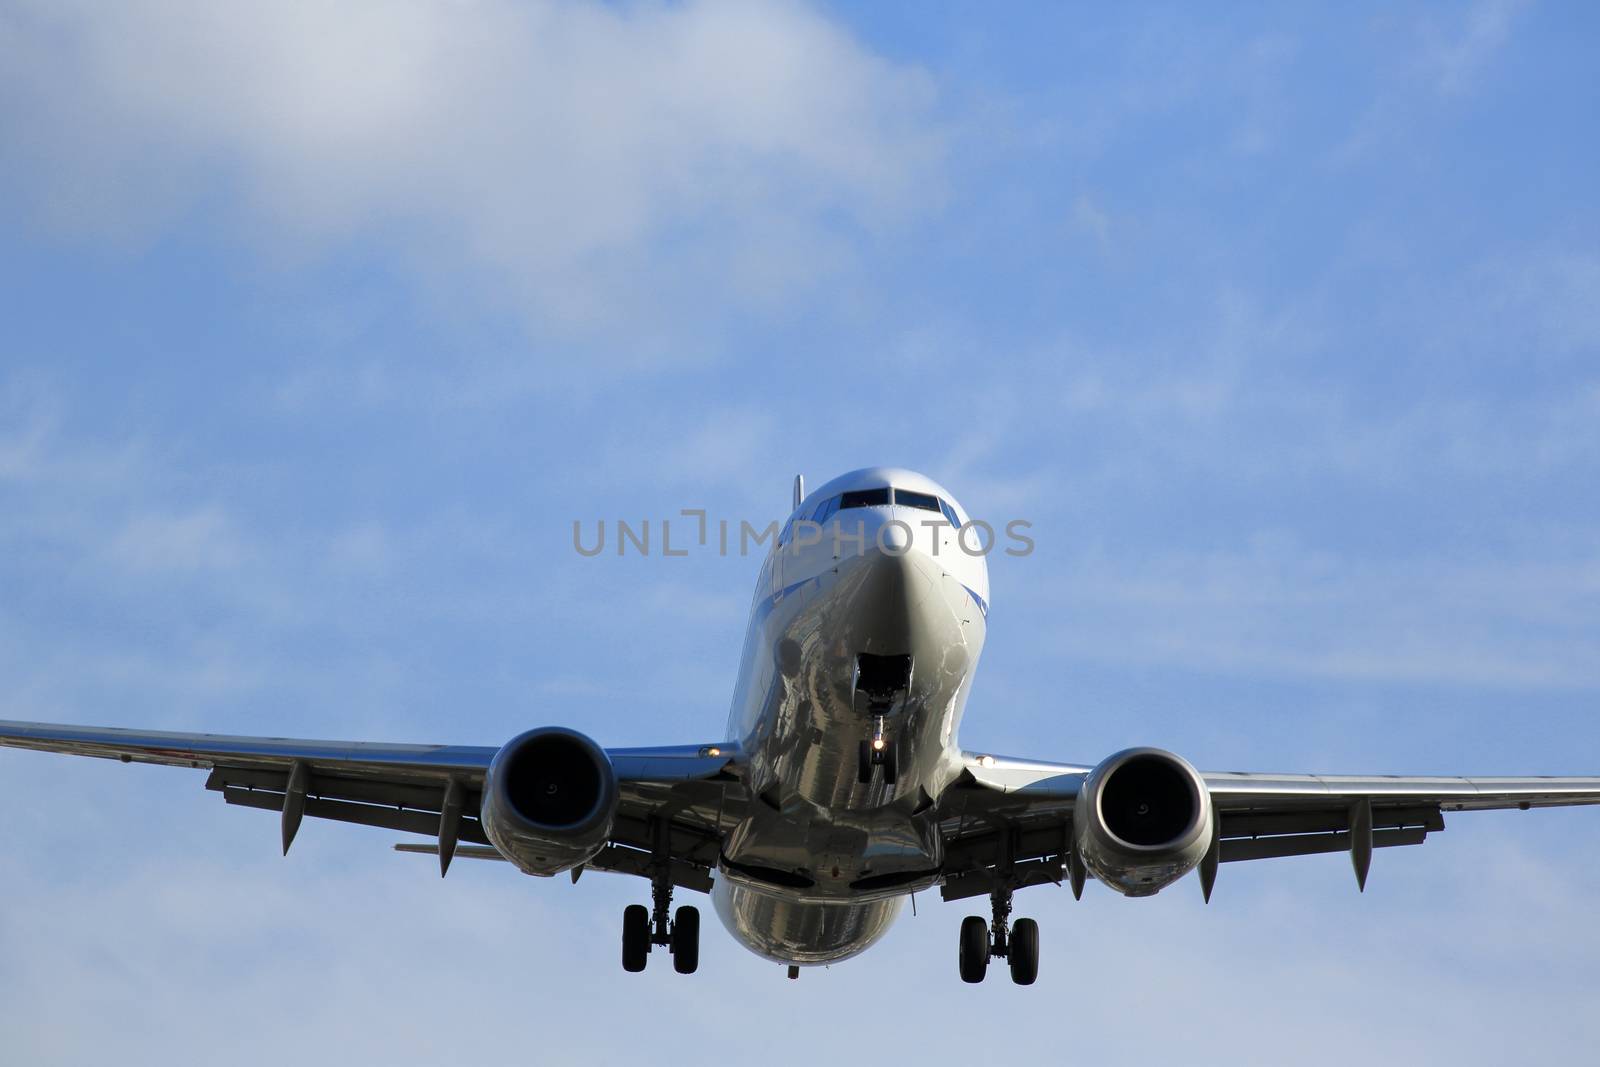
(686, 940)
(1024, 951)
(864, 762)
(635, 937)
(974, 949)
(891, 762)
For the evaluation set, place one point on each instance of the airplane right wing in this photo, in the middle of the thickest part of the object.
(1008, 818)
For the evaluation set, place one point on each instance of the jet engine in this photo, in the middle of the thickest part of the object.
(549, 799)
(1142, 820)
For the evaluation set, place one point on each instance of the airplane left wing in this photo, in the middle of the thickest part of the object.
(671, 798)
(1012, 813)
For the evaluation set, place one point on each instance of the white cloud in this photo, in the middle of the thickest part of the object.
(197, 540)
(1444, 56)
(558, 153)
(1454, 58)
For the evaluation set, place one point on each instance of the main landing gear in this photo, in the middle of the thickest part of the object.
(644, 928)
(1016, 943)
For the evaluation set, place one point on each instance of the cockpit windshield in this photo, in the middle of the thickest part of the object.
(878, 498)
(864, 498)
(907, 499)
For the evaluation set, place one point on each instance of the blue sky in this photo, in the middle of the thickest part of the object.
(322, 326)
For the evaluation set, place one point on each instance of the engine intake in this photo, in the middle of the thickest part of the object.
(549, 799)
(1142, 820)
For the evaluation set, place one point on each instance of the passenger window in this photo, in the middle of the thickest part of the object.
(864, 498)
(907, 499)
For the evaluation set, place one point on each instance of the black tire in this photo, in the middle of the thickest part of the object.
(635, 937)
(686, 940)
(974, 949)
(891, 762)
(864, 763)
(1024, 951)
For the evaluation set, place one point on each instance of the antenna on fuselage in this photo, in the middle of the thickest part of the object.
(799, 489)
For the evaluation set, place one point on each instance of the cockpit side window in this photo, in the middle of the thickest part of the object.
(949, 513)
(825, 510)
(864, 498)
(907, 499)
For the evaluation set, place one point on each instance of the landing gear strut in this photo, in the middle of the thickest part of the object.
(1016, 943)
(644, 928)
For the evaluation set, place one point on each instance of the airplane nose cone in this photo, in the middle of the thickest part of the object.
(896, 538)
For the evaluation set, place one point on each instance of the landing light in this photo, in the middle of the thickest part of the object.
(986, 761)
(713, 751)
(877, 743)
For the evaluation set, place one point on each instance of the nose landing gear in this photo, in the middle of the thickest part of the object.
(880, 680)
(878, 751)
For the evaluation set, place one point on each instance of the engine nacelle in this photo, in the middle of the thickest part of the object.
(1142, 820)
(549, 799)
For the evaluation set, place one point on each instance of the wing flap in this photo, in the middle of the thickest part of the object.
(1263, 848)
(334, 787)
(463, 852)
(1270, 823)
(618, 859)
(416, 822)
(980, 883)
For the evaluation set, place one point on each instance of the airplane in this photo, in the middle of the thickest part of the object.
(838, 788)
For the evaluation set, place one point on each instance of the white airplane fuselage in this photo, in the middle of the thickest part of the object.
(821, 866)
